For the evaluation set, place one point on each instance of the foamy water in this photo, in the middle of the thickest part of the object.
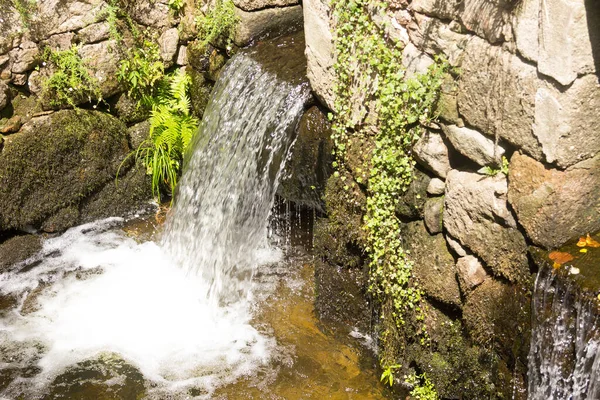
(107, 293)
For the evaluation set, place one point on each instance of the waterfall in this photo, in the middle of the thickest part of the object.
(564, 358)
(219, 220)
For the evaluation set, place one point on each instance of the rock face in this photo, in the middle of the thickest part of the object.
(55, 162)
(319, 50)
(484, 224)
(554, 206)
(252, 5)
(433, 264)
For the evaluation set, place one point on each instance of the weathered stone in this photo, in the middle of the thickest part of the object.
(11, 28)
(498, 314)
(17, 249)
(566, 49)
(433, 212)
(60, 41)
(319, 50)
(526, 23)
(4, 95)
(35, 82)
(58, 16)
(267, 22)
(474, 145)
(216, 62)
(138, 133)
(24, 57)
(455, 246)
(446, 10)
(388, 22)
(564, 121)
(497, 95)
(412, 202)
(415, 61)
(436, 187)
(129, 111)
(12, 125)
(252, 5)
(168, 43)
(309, 165)
(554, 206)
(447, 104)
(487, 18)
(431, 152)
(433, 265)
(62, 220)
(199, 91)
(94, 33)
(182, 58)
(434, 36)
(154, 13)
(476, 214)
(55, 162)
(103, 62)
(19, 79)
(470, 273)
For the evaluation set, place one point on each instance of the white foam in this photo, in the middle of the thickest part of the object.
(141, 306)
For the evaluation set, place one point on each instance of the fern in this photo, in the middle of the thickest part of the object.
(171, 131)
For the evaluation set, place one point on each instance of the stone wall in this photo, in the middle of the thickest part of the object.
(528, 90)
(48, 178)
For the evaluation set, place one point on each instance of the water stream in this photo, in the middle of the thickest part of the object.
(102, 313)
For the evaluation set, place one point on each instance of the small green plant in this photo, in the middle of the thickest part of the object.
(171, 130)
(388, 374)
(111, 13)
(491, 171)
(142, 72)
(71, 81)
(25, 9)
(422, 388)
(219, 22)
(176, 5)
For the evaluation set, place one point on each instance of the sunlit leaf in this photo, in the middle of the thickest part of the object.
(560, 257)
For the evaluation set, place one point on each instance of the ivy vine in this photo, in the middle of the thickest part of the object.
(374, 99)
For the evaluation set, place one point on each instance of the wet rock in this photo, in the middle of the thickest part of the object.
(24, 57)
(4, 95)
(62, 220)
(94, 33)
(564, 121)
(497, 315)
(216, 62)
(17, 249)
(12, 125)
(434, 266)
(252, 5)
(412, 202)
(554, 206)
(436, 187)
(434, 209)
(199, 91)
(103, 62)
(431, 152)
(55, 162)
(470, 273)
(309, 165)
(341, 295)
(168, 43)
(476, 214)
(474, 145)
(319, 50)
(270, 21)
(496, 95)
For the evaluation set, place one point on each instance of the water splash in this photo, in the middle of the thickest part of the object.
(564, 357)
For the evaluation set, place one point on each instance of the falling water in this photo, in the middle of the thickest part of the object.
(564, 358)
(219, 221)
(178, 312)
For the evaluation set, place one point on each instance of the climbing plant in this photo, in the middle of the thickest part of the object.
(374, 99)
(220, 21)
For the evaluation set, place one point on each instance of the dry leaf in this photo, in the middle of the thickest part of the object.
(560, 258)
(582, 242)
(591, 242)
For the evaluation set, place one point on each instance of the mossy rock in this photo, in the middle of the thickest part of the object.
(55, 162)
(18, 248)
(199, 91)
(412, 203)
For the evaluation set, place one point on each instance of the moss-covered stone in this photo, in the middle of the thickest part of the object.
(18, 248)
(199, 91)
(55, 162)
(412, 202)
(309, 166)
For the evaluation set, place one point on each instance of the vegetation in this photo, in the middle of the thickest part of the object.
(377, 102)
(491, 171)
(422, 388)
(219, 22)
(70, 82)
(171, 130)
(142, 72)
(25, 9)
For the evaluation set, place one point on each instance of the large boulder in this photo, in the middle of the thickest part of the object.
(319, 50)
(55, 162)
(433, 265)
(267, 22)
(476, 214)
(103, 62)
(554, 206)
